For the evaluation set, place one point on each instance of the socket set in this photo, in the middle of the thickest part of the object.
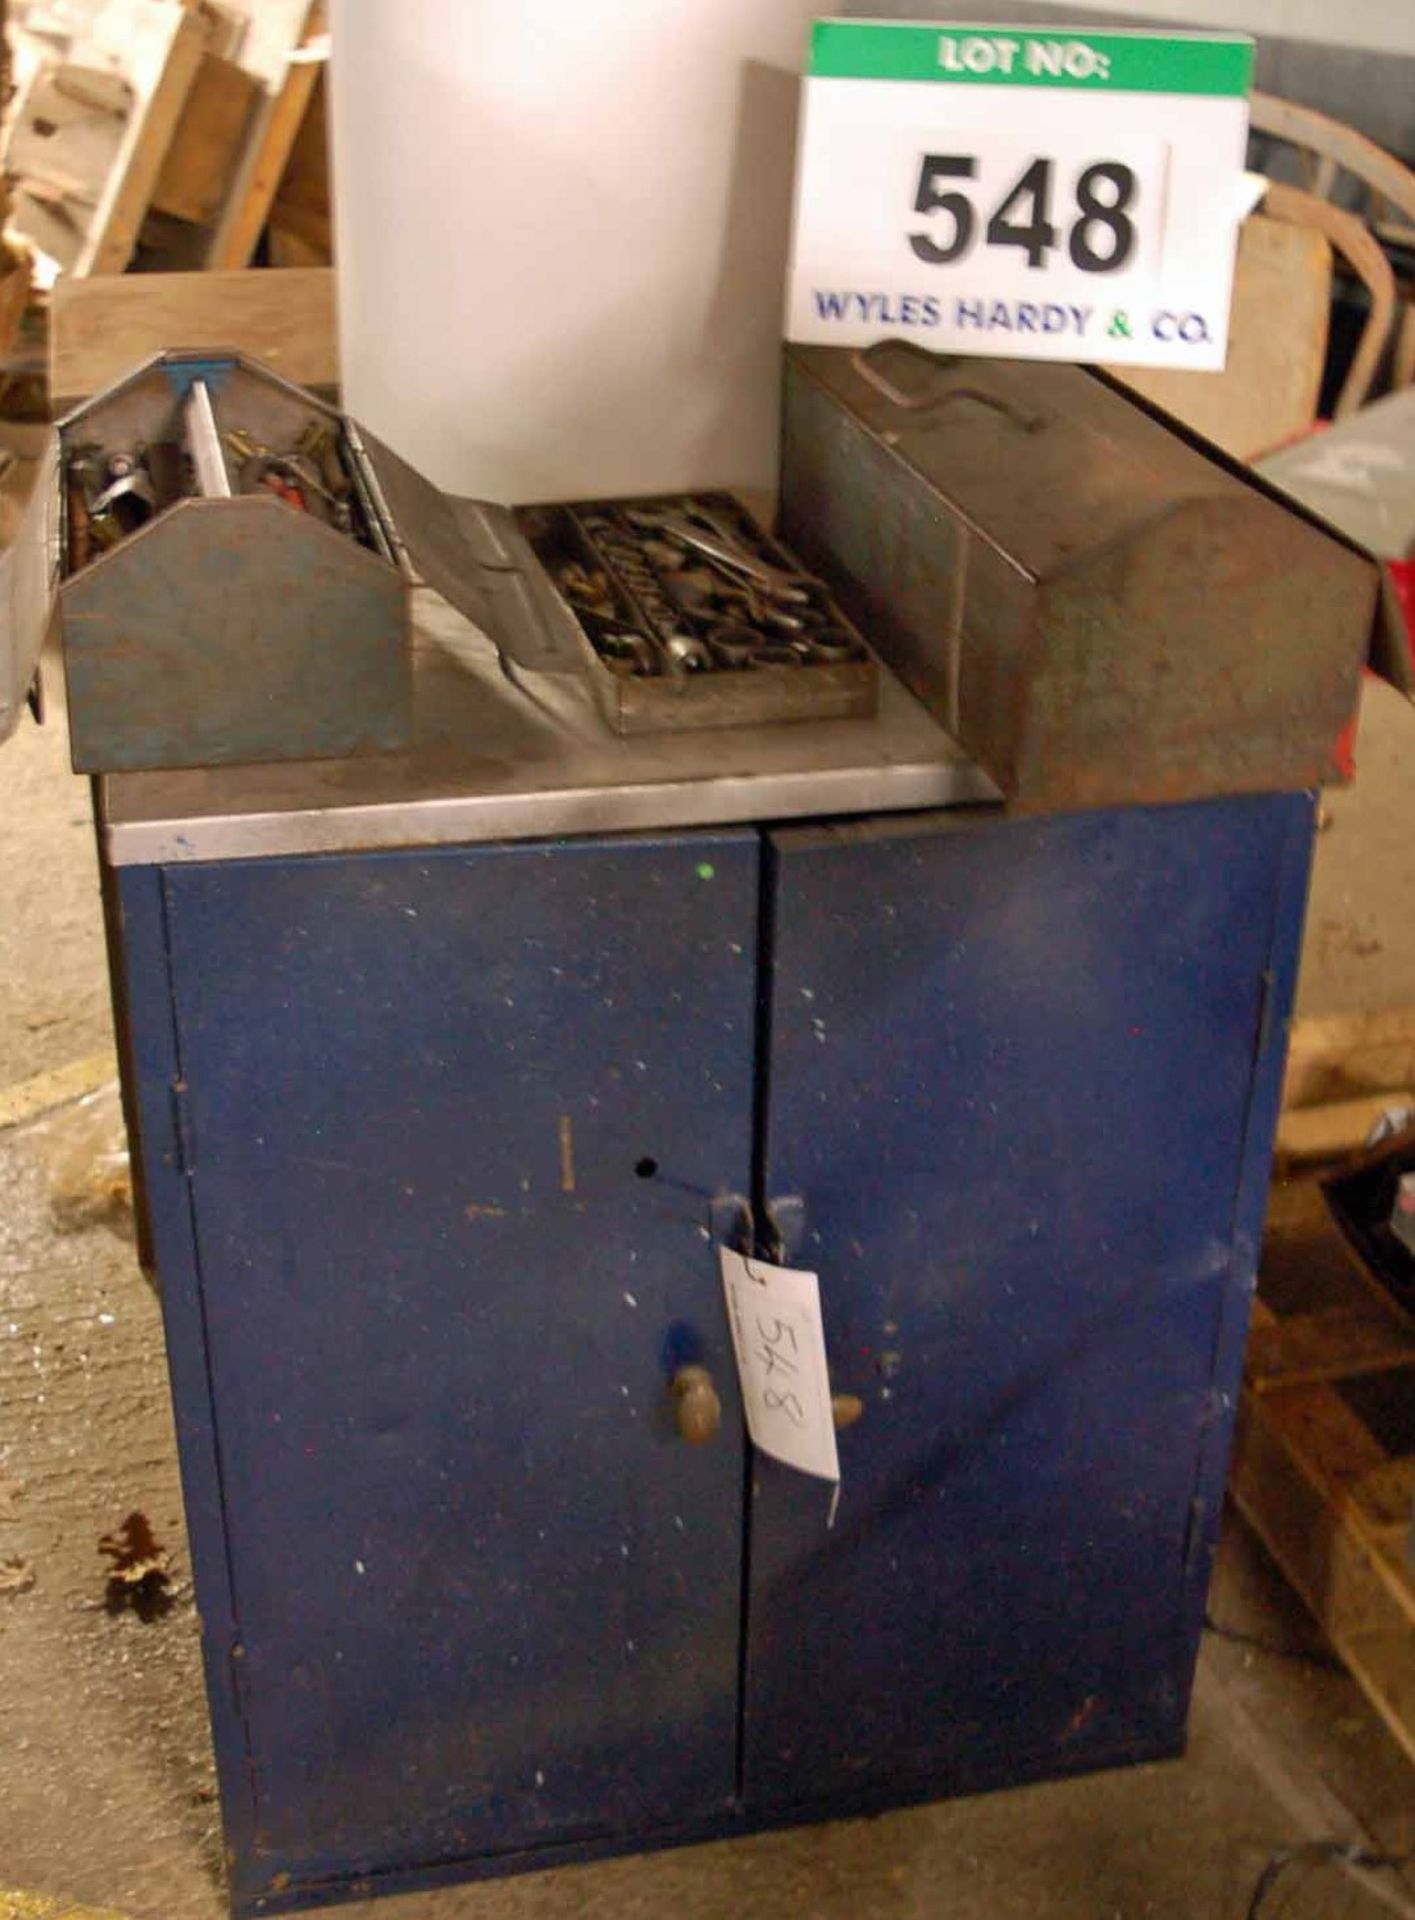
(692, 616)
(113, 492)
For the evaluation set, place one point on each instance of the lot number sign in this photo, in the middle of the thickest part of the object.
(1045, 195)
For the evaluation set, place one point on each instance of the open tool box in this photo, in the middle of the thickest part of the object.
(679, 612)
(692, 616)
(1098, 607)
(229, 589)
(205, 623)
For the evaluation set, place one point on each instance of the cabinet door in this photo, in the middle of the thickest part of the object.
(455, 1123)
(1010, 1078)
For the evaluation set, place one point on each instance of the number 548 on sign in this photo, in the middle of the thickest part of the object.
(1090, 213)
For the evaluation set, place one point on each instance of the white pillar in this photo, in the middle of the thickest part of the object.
(561, 236)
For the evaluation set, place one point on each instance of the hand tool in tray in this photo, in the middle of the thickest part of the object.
(691, 615)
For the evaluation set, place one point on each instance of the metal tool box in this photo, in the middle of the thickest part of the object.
(1101, 608)
(450, 1071)
(679, 612)
(206, 621)
(1100, 611)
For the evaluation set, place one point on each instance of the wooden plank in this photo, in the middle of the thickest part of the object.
(1304, 1250)
(197, 172)
(1386, 1498)
(1341, 1342)
(1261, 1316)
(1334, 1444)
(1337, 1056)
(269, 29)
(160, 46)
(99, 329)
(1319, 1487)
(28, 1099)
(1336, 1128)
(289, 249)
(302, 206)
(227, 28)
(1319, 1311)
(49, 222)
(67, 128)
(272, 138)
(1294, 1474)
(62, 141)
(306, 224)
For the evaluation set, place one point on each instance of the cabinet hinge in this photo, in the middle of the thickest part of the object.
(1194, 1534)
(182, 1128)
(1265, 1010)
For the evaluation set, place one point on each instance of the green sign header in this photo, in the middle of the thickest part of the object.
(1021, 57)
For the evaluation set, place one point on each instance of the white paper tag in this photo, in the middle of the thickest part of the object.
(1032, 193)
(777, 1336)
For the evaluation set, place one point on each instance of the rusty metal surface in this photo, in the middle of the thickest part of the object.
(1100, 610)
(230, 631)
(234, 629)
(151, 394)
(478, 559)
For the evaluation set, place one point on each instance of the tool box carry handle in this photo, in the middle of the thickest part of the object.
(918, 403)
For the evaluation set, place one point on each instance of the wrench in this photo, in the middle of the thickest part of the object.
(781, 585)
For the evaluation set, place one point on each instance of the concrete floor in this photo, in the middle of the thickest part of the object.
(106, 1786)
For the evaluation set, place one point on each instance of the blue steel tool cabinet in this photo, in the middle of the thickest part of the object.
(437, 1143)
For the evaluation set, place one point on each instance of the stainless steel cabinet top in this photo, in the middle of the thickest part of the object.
(496, 758)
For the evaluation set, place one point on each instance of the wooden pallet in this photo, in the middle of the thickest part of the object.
(1324, 1467)
(86, 142)
(161, 130)
(268, 150)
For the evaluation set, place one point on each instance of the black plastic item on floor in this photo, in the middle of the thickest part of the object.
(1363, 1198)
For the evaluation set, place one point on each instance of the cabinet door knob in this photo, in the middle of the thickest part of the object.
(845, 1410)
(698, 1408)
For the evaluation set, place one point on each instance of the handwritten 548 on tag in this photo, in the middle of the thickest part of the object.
(1039, 194)
(775, 1317)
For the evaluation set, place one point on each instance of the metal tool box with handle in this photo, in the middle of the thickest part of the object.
(228, 587)
(1102, 609)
